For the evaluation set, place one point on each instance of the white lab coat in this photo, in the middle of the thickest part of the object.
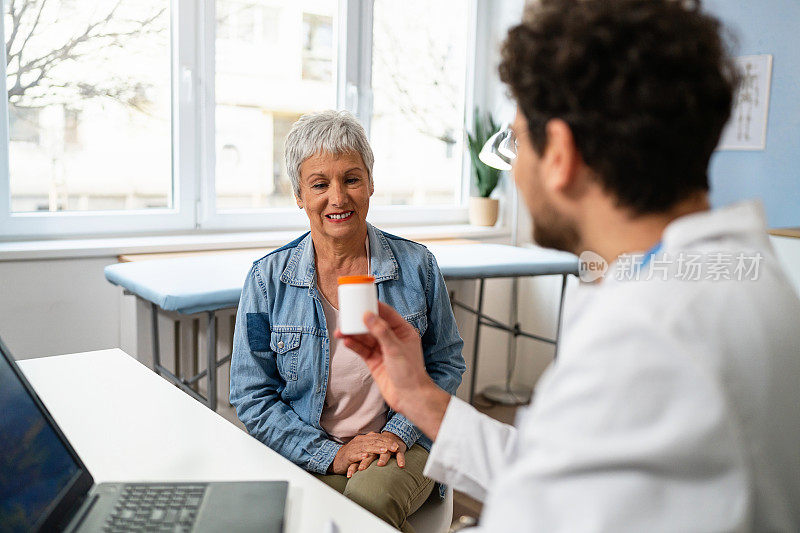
(673, 406)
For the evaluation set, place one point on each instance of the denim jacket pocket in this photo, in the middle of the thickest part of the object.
(419, 321)
(285, 344)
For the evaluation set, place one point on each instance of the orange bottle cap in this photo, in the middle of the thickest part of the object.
(346, 280)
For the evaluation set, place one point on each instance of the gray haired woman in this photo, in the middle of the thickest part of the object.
(298, 388)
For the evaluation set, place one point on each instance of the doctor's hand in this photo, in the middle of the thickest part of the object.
(392, 351)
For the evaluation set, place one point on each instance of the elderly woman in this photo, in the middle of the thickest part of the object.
(295, 386)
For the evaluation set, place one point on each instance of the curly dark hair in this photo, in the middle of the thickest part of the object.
(646, 87)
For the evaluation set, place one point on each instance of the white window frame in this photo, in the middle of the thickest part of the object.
(193, 142)
(179, 217)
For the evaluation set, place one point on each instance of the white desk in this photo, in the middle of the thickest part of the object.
(128, 424)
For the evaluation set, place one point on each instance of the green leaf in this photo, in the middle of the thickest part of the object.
(485, 177)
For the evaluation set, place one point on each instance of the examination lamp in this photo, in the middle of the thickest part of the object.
(500, 149)
(498, 152)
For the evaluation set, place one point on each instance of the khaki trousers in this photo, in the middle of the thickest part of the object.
(389, 492)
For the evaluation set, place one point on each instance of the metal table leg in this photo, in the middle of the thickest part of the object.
(211, 335)
(560, 312)
(189, 384)
(476, 346)
(508, 393)
(154, 330)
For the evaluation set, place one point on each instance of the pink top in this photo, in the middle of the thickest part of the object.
(353, 403)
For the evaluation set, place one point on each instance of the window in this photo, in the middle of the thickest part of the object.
(131, 116)
(419, 73)
(89, 106)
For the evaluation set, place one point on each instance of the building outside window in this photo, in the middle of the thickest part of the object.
(318, 47)
(262, 87)
(419, 73)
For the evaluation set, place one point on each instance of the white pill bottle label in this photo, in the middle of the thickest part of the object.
(357, 295)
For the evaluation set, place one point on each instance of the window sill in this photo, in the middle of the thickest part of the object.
(114, 246)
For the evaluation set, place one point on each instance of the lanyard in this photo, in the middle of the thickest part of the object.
(650, 253)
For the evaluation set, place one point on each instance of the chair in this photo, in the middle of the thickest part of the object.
(435, 515)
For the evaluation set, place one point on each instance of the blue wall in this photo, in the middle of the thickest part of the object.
(773, 175)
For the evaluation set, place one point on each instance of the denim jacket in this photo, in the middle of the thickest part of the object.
(281, 354)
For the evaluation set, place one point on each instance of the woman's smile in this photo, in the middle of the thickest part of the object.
(342, 216)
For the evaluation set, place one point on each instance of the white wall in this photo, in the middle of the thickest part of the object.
(58, 306)
(502, 15)
(788, 252)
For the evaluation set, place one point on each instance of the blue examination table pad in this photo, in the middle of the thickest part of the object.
(210, 282)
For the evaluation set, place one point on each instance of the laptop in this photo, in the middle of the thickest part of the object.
(44, 485)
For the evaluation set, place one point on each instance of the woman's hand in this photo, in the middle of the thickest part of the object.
(397, 446)
(363, 449)
(400, 452)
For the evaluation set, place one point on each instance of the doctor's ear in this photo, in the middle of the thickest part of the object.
(561, 158)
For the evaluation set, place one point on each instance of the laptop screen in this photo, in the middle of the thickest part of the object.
(36, 468)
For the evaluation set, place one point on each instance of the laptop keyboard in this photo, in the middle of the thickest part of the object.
(156, 507)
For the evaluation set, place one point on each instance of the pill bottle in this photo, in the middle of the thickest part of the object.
(357, 295)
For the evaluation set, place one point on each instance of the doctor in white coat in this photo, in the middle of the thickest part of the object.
(674, 404)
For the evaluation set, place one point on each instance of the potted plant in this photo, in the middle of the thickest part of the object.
(482, 209)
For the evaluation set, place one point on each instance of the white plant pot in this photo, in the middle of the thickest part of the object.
(483, 211)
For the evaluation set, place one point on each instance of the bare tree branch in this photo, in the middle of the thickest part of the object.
(430, 116)
(95, 37)
(33, 27)
(16, 16)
